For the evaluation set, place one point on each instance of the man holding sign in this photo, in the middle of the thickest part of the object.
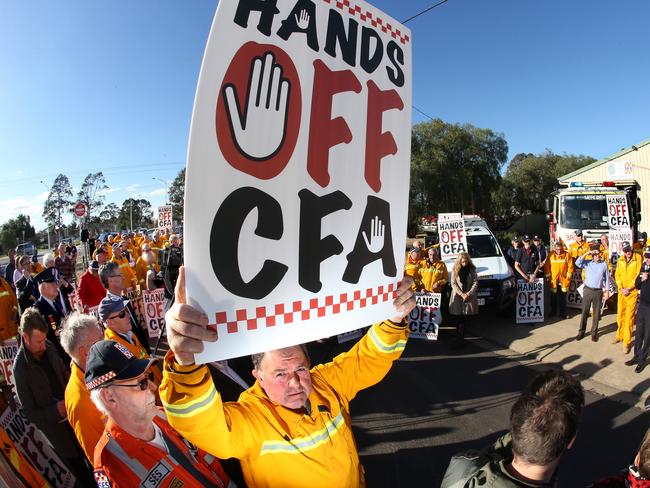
(293, 426)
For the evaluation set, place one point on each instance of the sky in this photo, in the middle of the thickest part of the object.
(109, 86)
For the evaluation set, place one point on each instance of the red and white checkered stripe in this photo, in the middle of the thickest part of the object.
(100, 380)
(287, 313)
(368, 17)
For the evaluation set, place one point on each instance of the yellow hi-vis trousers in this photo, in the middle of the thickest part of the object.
(625, 316)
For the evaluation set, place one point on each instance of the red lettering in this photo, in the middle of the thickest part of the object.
(378, 144)
(325, 132)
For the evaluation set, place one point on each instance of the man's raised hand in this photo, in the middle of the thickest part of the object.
(186, 326)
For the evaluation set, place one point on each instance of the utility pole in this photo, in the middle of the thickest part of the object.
(166, 183)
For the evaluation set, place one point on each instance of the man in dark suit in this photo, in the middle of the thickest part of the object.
(49, 306)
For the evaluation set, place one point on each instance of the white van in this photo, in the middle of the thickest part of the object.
(496, 280)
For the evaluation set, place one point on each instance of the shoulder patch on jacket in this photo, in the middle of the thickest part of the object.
(101, 479)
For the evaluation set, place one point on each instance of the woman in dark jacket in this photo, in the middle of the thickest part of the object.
(463, 302)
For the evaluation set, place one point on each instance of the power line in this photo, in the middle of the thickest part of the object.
(424, 11)
(418, 110)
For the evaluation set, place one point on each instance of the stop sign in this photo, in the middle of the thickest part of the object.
(80, 209)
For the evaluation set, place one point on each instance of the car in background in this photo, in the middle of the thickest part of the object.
(26, 249)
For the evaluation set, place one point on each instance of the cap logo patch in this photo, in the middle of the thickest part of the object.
(100, 380)
(123, 350)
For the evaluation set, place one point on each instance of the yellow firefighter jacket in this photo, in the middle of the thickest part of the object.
(432, 273)
(277, 446)
(627, 271)
(558, 269)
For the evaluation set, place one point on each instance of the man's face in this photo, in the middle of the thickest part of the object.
(49, 290)
(120, 321)
(35, 343)
(284, 375)
(537, 242)
(117, 252)
(11, 254)
(558, 249)
(515, 244)
(138, 404)
(579, 239)
(595, 255)
(526, 244)
(101, 258)
(433, 255)
(604, 241)
(93, 271)
(116, 280)
(124, 246)
(628, 254)
(174, 242)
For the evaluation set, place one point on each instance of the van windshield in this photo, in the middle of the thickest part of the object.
(584, 212)
(484, 246)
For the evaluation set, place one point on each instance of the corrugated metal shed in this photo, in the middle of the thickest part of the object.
(638, 156)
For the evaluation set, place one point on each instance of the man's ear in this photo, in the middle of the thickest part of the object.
(257, 375)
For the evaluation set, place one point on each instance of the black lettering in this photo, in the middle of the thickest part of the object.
(267, 9)
(361, 256)
(290, 24)
(336, 35)
(312, 249)
(224, 241)
(396, 56)
(367, 61)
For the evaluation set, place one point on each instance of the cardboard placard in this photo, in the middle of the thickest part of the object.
(296, 200)
(573, 296)
(616, 239)
(35, 447)
(8, 352)
(165, 217)
(154, 310)
(134, 296)
(618, 215)
(452, 238)
(425, 319)
(529, 306)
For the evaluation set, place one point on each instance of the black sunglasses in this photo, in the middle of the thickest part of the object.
(121, 315)
(143, 384)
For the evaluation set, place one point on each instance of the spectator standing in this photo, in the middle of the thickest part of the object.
(578, 247)
(123, 263)
(596, 279)
(40, 381)
(527, 261)
(641, 241)
(78, 334)
(558, 270)
(511, 252)
(144, 264)
(22, 268)
(8, 311)
(50, 308)
(304, 402)
(35, 267)
(26, 288)
(412, 267)
(542, 254)
(101, 256)
(543, 425)
(642, 333)
(604, 250)
(138, 439)
(463, 303)
(65, 263)
(10, 268)
(90, 291)
(627, 271)
(433, 272)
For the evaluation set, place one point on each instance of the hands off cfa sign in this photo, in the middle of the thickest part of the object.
(165, 217)
(298, 172)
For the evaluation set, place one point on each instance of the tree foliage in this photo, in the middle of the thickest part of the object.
(137, 209)
(530, 179)
(58, 202)
(109, 215)
(11, 231)
(91, 192)
(177, 196)
(454, 168)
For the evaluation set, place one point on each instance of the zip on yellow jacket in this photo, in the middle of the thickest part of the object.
(558, 270)
(279, 447)
(626, 273)
(432, 273)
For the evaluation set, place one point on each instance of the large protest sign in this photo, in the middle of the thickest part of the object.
(451, 234)
(529, 306)
(134, 296)
(153, 303)
(425, 319)
(618, 216)
(297, 181)
(35, 447)
(573, 296)
(165, 217)
(616, 239)
(8, 352)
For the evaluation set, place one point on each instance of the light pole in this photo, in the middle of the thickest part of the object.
(49, 244)
(166, 183)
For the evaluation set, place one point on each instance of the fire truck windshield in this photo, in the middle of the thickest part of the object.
(583, 211)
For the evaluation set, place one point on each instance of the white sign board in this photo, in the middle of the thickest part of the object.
(573, 296)
(425, 319)
(298, 172)
(620, 170)
(530, 301)
(446, 217)
(618, 215)
(616, 239)
(153, 303)
(165, 217)
(8, 352)
(452, 238)
(35, 447)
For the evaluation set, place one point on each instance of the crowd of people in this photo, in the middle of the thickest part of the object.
(119, 416)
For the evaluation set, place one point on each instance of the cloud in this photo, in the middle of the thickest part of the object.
(33, 207)
(159, 191)
(132, 188)
(108, 191)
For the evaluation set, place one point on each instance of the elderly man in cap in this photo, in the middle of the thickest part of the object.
(115, 316)
(90, 291)
(124, 265)
(628, 267)
(642, 334)
(527, 262)
(412, 267)
(596, 279)
(40, 380)
(641, 242)
(50, 306)
(578, 247)
(138, 446)
(433, 272)
(78, 334)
